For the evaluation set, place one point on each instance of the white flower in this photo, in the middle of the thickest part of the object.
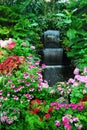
(48, 0)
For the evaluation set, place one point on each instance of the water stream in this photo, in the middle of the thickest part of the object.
(57, 64)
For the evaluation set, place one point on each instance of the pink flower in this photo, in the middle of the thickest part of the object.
(27, 83)
(22, 80)
(3, 118)
(43, 66)
(57, 123)
(47, 116)
(31, 76)
(80, 127)
(29, 57)
(31, 66)
(86, 85)
(77, 77)
(27, 95)
(44, 85)
(69, 127)
(76, 71)
(12, 85)
(73, 106)
(5, 98)
(26, 75)
(11, 45)
(31, 89)
(62, 92)
(16, 89)
(85, 70)
(59, 88)
(0, 92)
(37, 62)
(70, 80)
(9, 80)
(65, 120)
(75, 84)
(15, 97)
(39, 89)
(32, 47)
(75, 119)
(9, 121)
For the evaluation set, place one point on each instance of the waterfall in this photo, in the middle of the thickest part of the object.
(57, 64)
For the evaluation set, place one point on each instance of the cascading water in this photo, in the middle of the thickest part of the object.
(53, 56)
(57, 68)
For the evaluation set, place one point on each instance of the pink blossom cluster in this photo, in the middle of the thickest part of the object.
(58, 106)
(68, 121)
(7, 43)
(18, 89)
(41, 83)
(64, 90)
(79, 78)
(28, 96)
(9, 120)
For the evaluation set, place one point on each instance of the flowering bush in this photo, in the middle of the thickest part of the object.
(26, 98)
(67, 115)
(16, 47)
(78, 85)
(10, 63)
(21, 81)
(18, 88)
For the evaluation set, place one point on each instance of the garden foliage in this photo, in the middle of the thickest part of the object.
(26, 101)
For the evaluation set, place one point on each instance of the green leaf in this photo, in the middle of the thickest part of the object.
(61, 15)
(67, 21)
(71, 33)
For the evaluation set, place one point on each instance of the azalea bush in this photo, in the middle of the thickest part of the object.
(16, 47)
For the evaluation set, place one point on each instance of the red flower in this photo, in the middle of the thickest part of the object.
(36, 101)
(47, 116)
(50, 109)
(83, 99)
(44, 102)
(36, 109)
(32, 112)
(1, 53)
(11, 45)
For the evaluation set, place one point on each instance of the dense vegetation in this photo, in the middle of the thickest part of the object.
(26, 101)
(28, 19)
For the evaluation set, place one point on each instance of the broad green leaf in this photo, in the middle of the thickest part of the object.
(71, 33)
(61, 15)
(67, 20)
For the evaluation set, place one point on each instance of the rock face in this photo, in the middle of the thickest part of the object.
(62, 100)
